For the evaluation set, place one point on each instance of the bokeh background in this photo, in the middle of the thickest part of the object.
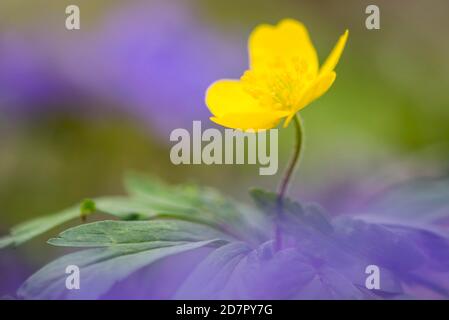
(80, 108)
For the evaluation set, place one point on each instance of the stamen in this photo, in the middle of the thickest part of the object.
(281, 85)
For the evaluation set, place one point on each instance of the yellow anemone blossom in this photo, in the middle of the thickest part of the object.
(283, 77)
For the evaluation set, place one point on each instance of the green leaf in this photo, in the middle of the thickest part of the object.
(121, 207)
(150, 199)
(125, 208)
(127, 246)
(181, 199)
(159, 195)
(266, 201)
(193, 203)
(111, 233)
(28, 230)
(295, 213)
(100, 268)
(139, 209)
(6, 242)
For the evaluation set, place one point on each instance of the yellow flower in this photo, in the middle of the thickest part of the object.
(283, 77)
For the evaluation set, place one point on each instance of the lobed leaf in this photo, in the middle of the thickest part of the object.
(112, 233)
(30, 229)
(100, 268)
(236, 271)
(295, 215)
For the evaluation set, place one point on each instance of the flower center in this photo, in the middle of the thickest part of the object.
(280, 84)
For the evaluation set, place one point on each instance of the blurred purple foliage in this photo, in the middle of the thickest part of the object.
(153, 61)
(320, 257)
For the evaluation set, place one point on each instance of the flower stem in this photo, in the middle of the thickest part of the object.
(299, 135)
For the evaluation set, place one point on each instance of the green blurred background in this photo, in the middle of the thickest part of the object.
(80, 108)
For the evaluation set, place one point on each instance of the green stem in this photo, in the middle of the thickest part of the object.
(299, 135)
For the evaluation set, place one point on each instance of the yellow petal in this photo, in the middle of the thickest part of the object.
(315, 90)
(289, 118)
(233, 107)
(335, 54)
(289, 39)
(257, 120)
(318, 88)
(228, 96)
